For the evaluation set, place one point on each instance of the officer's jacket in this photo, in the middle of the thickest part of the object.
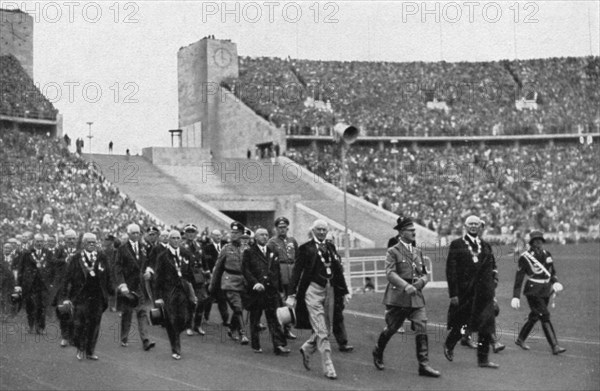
(228, 270)
(539, 282)
(404, 268)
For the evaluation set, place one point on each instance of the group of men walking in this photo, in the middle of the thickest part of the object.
(181, 279)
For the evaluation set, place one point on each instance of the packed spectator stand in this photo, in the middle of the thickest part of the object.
(548, 187)
(20, 97)
(390, 99)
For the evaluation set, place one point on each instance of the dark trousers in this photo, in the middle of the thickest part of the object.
(196, 312)
(394, 319)
(268, 304)
(221, 300)
(35, 306)
(142, 319)
(234, 299)
(339, 328)
(458, 316)
(177, 314)
(86, 324)
(539, 308)
(66, 329)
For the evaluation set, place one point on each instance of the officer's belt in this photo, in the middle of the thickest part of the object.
(414, 280)
(540, 280)
(230, 271)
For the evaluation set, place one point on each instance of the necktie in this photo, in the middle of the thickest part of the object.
(135, 249)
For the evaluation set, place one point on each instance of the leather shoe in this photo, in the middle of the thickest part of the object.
(448, 353)
(176, 356)
(497, 347)
(378, 359)
(558, 350)
(259, 350)
(401, 330)
(468, 342)
(282, 351)
(346, 348)
(261, 327)
(92, 357)
(80, 355)
(124, 344)
(289, 335)
(330, 374)
(149, 345)
(64, 343)
(488, 364)
(305, 359)
(244, 340)
(200, 331)
(233, 337)
(426, 370)
(522, 345)
(189, 332)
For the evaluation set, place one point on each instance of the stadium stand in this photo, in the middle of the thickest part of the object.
(391, 99)
(20, 96)
(552, 188)
(45, 188)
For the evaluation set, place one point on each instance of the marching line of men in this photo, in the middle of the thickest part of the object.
(182, 279)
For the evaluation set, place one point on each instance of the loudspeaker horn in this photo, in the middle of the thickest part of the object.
(347, 133)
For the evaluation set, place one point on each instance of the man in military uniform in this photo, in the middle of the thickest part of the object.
(196, 311)
(472, 277)
(403, 297)
(151, 238)
(286, 248)
(537, 264)
(228, 275)
(210, 253)
(35, 279)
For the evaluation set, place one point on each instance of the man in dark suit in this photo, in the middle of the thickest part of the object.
(286, 248)
(210, 253)
(260, 266)
(35, 279)
(87, 285)
(175, 289)
(64, 256)
(472, 277)
(152, 261)
(317, 280)
(403, 297)
(130, 263)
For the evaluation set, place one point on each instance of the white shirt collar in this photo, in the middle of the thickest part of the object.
(407, 245)
(474, 239)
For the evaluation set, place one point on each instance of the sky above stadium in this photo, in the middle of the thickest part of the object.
(115, 63)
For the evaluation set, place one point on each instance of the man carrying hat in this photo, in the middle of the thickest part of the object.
(537, 264)
(210, 254)
(286, 248)
(260, 266)
(200, 275)
(403, 297)
(86, 287)
(229, 276)
(472, 279)
(130, 264)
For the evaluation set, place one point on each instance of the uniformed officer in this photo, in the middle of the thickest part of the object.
(196, 311)
(537, 264)
(228, 274)
(403, 297)
(286, 248)
(151, 239)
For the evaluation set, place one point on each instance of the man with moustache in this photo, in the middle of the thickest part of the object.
(229, 276)
(403, 297)
(129, 266)
(35, 279)
(189, 244)
(86, 287)
(210, 253)
(260, 266)
(174, 289)
(317, 281)
(472, 277)
(286, 248)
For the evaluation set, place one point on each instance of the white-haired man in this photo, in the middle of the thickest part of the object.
(64, 255)
(87, 287)
(129, 266)
(317, 280)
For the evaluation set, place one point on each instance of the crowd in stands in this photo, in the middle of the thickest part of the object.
(20, 97)
(390, 99)
(45, 188)
(552, 188)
